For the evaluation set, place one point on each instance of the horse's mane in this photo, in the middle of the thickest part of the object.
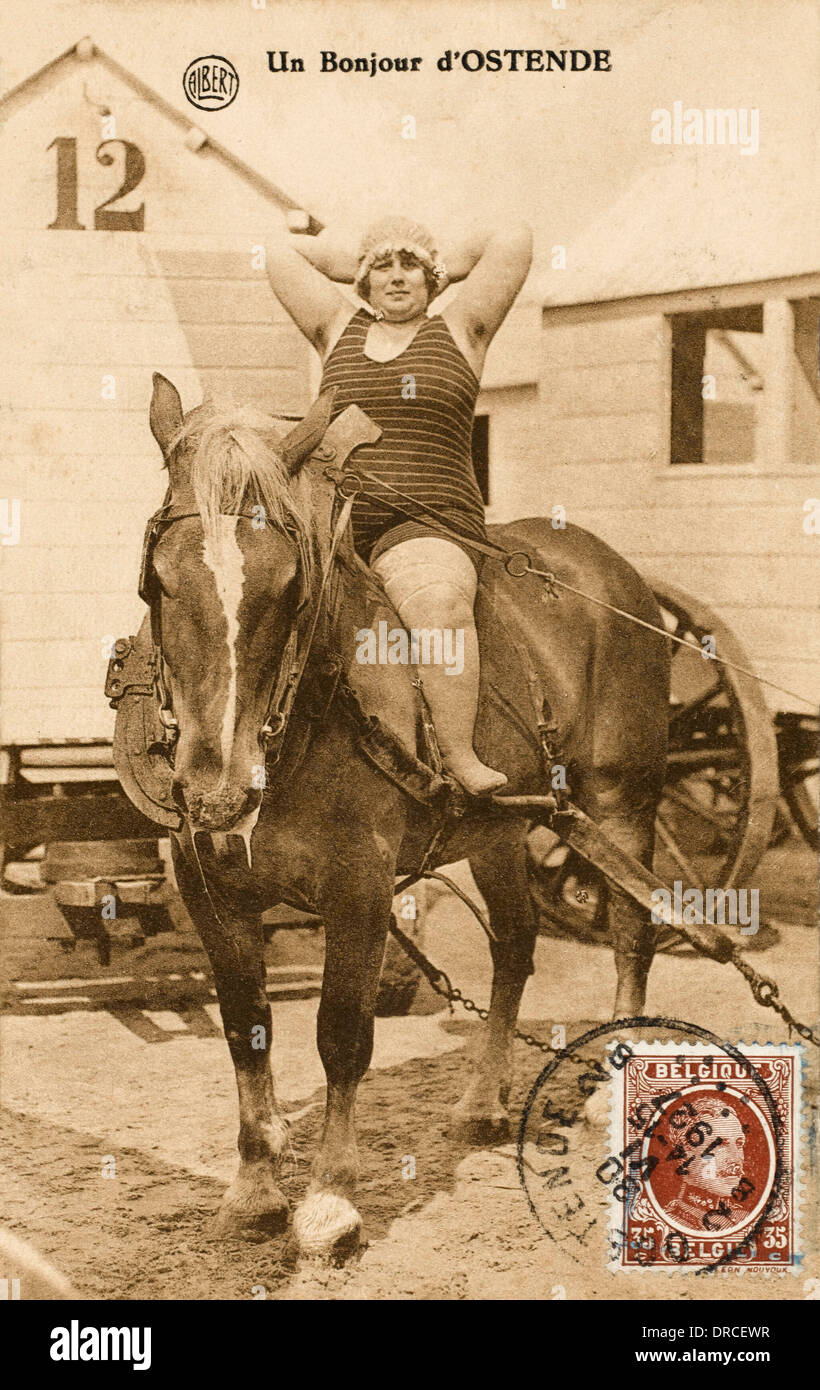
(233, 461)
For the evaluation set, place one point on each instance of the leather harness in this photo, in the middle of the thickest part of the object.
(135, 672)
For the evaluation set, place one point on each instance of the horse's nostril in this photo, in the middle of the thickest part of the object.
(218, 810)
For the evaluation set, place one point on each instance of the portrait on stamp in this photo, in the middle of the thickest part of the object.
(709, 1160)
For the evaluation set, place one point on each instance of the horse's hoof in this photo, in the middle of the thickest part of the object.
(479, 1129)
(327, 1226)
(253, 1204)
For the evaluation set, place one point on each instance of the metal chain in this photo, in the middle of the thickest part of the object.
(453, 996)
(765, 991)
(767, 994)
(443, 985)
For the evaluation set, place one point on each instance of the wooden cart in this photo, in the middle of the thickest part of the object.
(729, 763)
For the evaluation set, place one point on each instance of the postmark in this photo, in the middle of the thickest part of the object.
(698, 1167)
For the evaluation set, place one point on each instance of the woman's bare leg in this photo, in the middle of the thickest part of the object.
(432, 585)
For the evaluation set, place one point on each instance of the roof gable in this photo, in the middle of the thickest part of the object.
(83, 54)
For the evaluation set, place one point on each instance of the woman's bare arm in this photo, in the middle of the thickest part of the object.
(313, 302)
(328, 254)
(493, 268)
(460, 257)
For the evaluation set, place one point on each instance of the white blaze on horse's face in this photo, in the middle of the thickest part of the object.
(227, 607)
(224, 558)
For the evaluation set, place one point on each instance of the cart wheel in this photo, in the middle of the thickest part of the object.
(798, 740)
(717, 811)
(718, 806)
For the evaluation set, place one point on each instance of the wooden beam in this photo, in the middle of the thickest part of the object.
(684, 301)
(86, 49)
(775, 447)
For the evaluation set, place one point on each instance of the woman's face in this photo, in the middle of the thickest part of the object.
(398, 286)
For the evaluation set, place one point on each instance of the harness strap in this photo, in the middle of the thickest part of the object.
(293, 671)
(352, 479)
(386, 752)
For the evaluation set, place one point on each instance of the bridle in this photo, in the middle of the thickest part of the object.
(313, 437)
(299, 642)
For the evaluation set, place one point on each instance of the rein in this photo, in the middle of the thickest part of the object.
(287, 687)
(518, 564)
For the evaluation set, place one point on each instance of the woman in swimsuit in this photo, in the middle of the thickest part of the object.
(417, 376)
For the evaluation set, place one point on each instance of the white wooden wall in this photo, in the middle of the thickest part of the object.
(509, 395)
(183, 298)
(731, 535)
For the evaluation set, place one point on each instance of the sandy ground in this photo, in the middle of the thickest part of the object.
(84, 1093)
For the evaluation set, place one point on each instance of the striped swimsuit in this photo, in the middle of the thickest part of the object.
(423, 400)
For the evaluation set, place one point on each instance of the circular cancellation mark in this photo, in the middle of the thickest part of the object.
(694, 1124)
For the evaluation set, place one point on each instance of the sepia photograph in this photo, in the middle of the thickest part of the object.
(410, 661)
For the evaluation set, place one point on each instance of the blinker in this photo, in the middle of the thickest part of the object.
(148, 586)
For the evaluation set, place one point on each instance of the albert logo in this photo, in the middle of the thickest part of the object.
(210, 83)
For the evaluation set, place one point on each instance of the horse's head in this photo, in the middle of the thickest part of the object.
(227, 589)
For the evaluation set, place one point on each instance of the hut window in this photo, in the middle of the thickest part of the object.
(717, 385)
(481, 454)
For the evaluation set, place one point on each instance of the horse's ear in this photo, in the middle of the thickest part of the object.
(165, 416)
(300, 442)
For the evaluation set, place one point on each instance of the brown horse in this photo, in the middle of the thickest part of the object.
(330, 823)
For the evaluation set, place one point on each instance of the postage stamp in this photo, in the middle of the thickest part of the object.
(705, 1157)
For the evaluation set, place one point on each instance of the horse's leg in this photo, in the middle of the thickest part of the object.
(235, 947)
(355, 910)
(481, 1115)
(630, 925)
(631, 931)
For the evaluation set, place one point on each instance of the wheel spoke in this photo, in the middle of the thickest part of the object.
(702, 757)
(671, 845)
(679, 712)
(721, 785)
(801, 772)
(690, 804)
